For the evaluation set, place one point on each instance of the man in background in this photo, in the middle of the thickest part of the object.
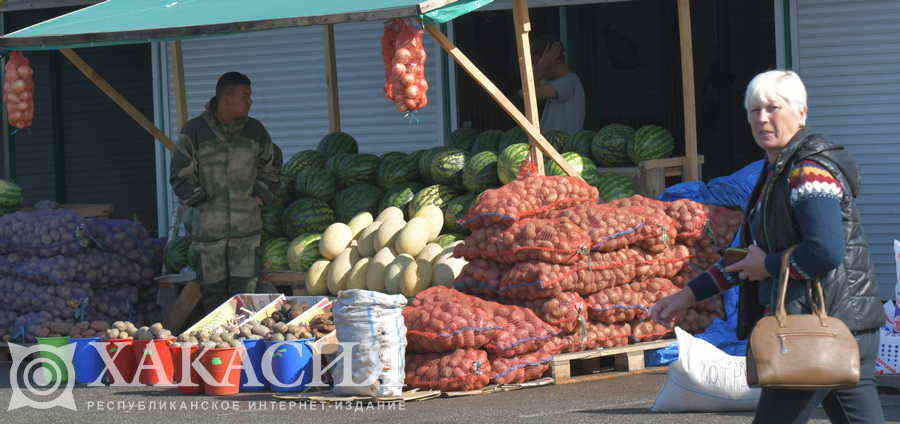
(557, 86)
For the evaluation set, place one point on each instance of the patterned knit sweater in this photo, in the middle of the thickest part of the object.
(816, 204)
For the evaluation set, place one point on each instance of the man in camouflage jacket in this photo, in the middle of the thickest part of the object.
(225, 167)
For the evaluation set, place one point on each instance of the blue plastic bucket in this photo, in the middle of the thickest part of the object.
(290, 360)
(86, 360)
(255, 351)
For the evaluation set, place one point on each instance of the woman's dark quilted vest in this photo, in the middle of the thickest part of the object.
(851, 293)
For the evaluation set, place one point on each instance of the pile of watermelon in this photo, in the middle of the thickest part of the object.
(615, 145)
(335, 182)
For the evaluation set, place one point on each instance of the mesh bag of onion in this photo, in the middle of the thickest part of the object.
(459, 370)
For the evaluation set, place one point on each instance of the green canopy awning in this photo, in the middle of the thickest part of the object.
(138, 21)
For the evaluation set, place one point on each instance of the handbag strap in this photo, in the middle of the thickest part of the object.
(818, 304)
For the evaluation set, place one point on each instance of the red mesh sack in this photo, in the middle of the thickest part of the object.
(665, 264)
(523, 368)
(538, 280)
(566, 343)
(654, 289)
(617, 304)
(611, 228)
(712, 305)
(564, 311)
(437, 326)
(648, 330)
(520, 331)
(481, 277)
(687, 273)
(637, 200)
(691, 217)
(460, 370)
(18, 91)
(405, 82)
(527, 197)
(695, 321)
(543, 240)
(438, 294)
(603, 336)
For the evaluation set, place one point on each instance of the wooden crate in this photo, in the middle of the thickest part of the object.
(237, 310)
(650, 176)
(601, 364)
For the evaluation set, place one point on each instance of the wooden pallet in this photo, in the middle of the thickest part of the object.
(601, 364)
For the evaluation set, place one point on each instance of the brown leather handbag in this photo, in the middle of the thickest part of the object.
(802, 352)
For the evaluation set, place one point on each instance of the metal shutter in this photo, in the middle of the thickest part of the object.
(849, 58)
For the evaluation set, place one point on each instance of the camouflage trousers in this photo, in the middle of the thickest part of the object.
(227, 267)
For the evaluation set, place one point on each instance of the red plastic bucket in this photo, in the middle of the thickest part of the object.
(125, 362)
(150, 377)
(217, 361)
(183, 356)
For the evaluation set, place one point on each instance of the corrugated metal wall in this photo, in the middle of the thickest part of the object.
(287, 70)
(850, 61)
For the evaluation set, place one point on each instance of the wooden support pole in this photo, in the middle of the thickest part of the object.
(533, 132)
(180, 88)
(523, 45)
(331, 81)
(692, 167)
(117, 97)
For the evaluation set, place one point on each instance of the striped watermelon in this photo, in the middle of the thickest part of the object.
(176, 254)
(424, 163)
(456, 209)
(581, 163)
(480, 172)
(338, 161)
(445, 240)
(416, 155)
(463, 138)
(355, 199)
(303, 251)
(337, 142)
(275, 254)
(304, 159)
(614, 186)
(285, 190)
(358, 169)
(10, 194)
(399, 195)
(397, 169)
(610, 145)
(306, 215)
(271, 217)
(436, 195)
(581, 142)
(510, 160)
(650, 142)
(488, 140)
(316, 183)
(558, 139)
(512, 136)
(392, 156)
(447, 167)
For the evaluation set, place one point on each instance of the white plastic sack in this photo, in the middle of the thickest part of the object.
(705, 379)
(374, 321)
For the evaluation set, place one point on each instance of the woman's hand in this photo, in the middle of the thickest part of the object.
(668, 309)
(752, 267)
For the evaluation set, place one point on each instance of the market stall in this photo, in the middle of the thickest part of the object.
(459, 247)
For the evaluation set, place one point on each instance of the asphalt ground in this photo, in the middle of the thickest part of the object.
(622, 400)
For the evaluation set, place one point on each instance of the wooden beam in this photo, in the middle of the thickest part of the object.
(692, 168)
(181, 310)
(117, 97)
(180, 88)
(331, 81)
(533, 132)
(523, 45)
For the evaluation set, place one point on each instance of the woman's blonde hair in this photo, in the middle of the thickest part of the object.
(780, 84)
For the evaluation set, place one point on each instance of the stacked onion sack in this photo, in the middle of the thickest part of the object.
(56, 266)
(550, 271)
